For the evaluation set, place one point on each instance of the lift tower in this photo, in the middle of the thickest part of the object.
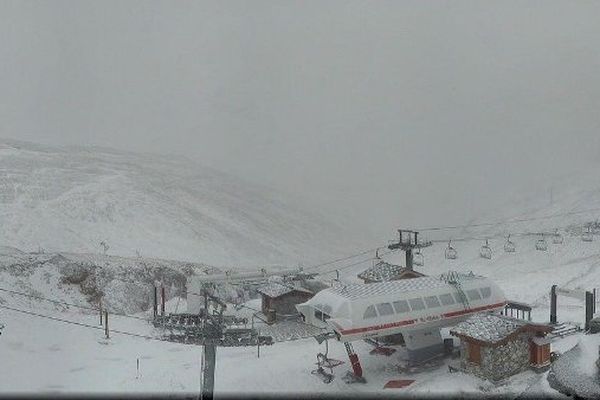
(408, 241)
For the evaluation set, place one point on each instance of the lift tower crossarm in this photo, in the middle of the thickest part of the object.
(408, 245)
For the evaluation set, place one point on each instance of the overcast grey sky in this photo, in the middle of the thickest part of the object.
(401, 112)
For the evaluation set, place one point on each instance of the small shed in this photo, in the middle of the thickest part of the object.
(496, 346)
(384, 272)
(282, 297)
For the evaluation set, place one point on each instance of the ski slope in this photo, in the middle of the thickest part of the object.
(69, 200)
(72, 199)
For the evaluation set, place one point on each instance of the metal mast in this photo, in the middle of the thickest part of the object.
(408, 240)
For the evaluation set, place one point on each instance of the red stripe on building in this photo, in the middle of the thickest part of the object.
(412, 321)
(378, 327)
(472, 310)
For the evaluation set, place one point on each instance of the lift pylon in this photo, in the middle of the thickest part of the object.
(408, 240)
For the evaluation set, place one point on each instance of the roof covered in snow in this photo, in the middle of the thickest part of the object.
(361, 290)
(493, 328)
(383, 272)
(275, 289)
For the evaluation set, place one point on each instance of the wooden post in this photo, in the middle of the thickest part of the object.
(205, 304)
(100, 312)
(106, 331)
(155, 301)
(258, 344)
(137, 373)
(162, 296)
(589, 309)
(553, 304)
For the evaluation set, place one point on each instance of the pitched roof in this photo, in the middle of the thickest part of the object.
(361, 290)
(274, 289)
(383, 272)
(493, 328)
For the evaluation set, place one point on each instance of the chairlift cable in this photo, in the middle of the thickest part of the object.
(68, 304)
(66, 321)
(507, 221)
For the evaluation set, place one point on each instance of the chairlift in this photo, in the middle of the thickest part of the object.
(587, 236)
(418, 258)
(486, 251)
(509, 246)
(450, 252)
(541, 244)
(558, 238)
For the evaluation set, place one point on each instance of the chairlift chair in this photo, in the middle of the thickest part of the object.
(541, 244)
(486, 251)
(587, 236)
(450, 252)
(418, 258)
(558, 238)
(509, 246)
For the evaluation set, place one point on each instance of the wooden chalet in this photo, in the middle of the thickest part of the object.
(281, 298)
(496, 346)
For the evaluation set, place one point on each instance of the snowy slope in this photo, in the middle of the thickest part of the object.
(79, 360)
(72, 199)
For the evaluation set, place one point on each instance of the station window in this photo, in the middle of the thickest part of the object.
(457, 298)
(473, 294)
(447, 299)
(432, 301)
(401, 306)
(321, 316)
(486, 292)
(417, 304)
(385, 309)
(370, 312)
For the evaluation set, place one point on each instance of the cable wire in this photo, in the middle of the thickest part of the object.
(507, 221)
(68, 304)
(66, 321)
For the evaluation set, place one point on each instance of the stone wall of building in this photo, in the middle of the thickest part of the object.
(499, 362)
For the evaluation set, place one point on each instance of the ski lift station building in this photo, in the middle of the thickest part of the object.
(415, 308)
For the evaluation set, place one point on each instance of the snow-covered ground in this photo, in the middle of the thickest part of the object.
(575, 372)
(71, 200)
(47, 356)
(72, 358)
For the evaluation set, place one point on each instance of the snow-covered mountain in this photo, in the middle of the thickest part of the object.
(566, 200)
(72, 199)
